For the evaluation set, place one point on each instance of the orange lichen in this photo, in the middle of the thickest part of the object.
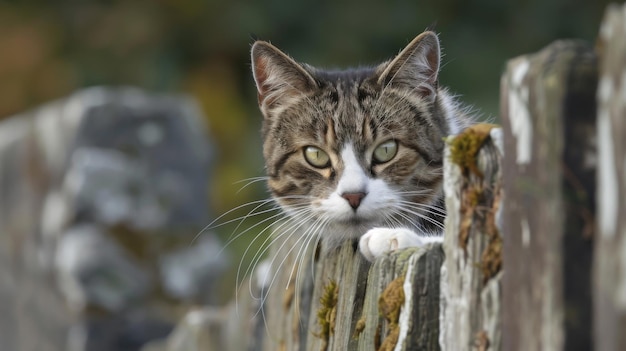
(491, 258)
(471, 196)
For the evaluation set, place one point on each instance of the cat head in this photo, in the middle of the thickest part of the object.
(356, 148)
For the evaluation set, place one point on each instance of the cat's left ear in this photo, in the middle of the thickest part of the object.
(416, 67)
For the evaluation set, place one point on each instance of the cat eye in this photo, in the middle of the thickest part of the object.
(385, 151)
(316, 157)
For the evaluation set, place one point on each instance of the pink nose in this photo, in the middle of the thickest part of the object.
(354, 199)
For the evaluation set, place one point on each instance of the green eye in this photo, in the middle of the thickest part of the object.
(385, 151)
(316, 157)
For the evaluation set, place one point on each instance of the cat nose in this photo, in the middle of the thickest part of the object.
(354, 199)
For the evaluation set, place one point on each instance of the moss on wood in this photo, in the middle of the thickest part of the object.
(327, 313)
(475, 199)
(465, 146)
(390, 304)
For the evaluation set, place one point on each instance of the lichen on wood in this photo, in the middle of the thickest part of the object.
(465, 146)
(472, 242)
(471, 196)
(360, 325)
(482, 341)
(327, 313)
(476, 206)
(491, 258)
(389, 304)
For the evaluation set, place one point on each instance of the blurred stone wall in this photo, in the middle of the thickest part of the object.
(102, 196)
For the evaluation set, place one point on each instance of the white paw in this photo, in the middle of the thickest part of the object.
(378, 241)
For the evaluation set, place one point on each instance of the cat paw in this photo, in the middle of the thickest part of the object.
(378, 241)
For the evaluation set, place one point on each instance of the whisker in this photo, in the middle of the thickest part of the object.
(420, 191)
(254, 179)
(282, 262)
(235, 237)
(265, 288)
(293, 225)
(311, 231)
(265, 246)
(283, 221)
(210, 225)
(249, 181)
(436, 211)
(315, 237)
(231, 238)
(276, 207)
(258, 203)
(288, 233)
(426, 218)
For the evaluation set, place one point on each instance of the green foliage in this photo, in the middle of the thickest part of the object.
(326, 314)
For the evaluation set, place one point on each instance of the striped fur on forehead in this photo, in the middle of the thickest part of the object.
(357, 111)
(332, 123)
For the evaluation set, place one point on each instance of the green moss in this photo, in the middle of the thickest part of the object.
(389, 304)
(391, 300)
(326, 314)
(465, 146)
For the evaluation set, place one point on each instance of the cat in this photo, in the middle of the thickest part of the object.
(358, 153)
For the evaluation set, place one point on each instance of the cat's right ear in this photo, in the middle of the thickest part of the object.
(278, 78)
(416, 67)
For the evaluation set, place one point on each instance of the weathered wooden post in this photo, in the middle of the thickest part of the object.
(610, 253)
(351, 305)
(548, 116)
(471, 275)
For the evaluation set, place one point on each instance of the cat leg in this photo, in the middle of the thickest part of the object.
(378, 241)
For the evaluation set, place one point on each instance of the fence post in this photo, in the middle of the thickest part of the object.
(610, 253)
(471, 275)
(548, 116)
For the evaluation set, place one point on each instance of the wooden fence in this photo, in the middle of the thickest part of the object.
(526, 263)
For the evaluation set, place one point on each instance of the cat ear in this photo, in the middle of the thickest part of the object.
(416, 67)
(278, 77)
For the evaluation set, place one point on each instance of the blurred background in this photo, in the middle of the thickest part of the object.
(200, 49)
